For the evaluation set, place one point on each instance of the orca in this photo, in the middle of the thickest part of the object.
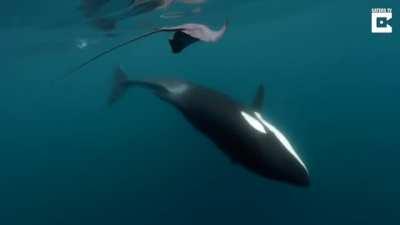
(238, 130)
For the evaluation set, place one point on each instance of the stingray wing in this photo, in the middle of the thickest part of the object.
(199, 31)
(181, 41)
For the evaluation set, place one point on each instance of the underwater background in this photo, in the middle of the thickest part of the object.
(331, 86)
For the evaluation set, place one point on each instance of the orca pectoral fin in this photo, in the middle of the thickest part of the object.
(258, 101)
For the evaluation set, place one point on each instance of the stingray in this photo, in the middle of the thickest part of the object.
(144, 6)
(92, 8)
(108, 21)
(99, 14)
(183, 36)
(134, 8)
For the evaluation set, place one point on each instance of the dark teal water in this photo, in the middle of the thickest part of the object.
(331, 85)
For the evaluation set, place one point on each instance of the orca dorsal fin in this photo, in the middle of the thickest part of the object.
(259, 98)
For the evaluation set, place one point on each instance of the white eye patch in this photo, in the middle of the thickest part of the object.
(254, 122)
(282, 139)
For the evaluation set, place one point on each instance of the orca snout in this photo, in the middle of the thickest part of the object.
(304, 181)
(289, 167)
(292, 169)
(299, 176)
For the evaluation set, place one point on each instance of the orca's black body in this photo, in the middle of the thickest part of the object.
(238, 130)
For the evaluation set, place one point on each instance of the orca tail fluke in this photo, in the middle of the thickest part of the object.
(120, 85)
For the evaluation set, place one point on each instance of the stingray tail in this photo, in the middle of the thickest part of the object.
(120, 85)
(130, 41)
